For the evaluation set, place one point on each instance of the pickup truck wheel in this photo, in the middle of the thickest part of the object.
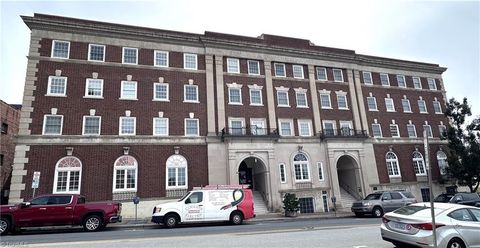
(236, 218)
(4, 226)
(92, 223)
(171, 221)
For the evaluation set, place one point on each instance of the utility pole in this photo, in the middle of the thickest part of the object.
(430, 188)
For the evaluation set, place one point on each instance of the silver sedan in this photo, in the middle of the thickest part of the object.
(457, 226)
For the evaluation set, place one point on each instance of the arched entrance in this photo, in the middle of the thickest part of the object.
(252, 171)
(349, 178)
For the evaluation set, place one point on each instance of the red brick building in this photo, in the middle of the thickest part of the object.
(113, 111)
(10, 119)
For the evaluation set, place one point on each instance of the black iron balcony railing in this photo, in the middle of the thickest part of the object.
(343, 133)
(250, 132)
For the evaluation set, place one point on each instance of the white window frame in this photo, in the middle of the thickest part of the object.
(429, 80)
(398, 130)
(442, 156)
(301, 70)
(318, 74)
(85, 122)
(301, 92)
(49, 89)
(53, 49)
(342, 95)
(290, 123)
(155, 98)
(375, 101)
(87, 81)
(185, 127)
(369, 76)
(414, 130)
(300, 163)
(409, 107)
(419, 85)
(341, 73)
(282, 170)
(309, 124)
(155, 53)
(429, 130)
(120, 122)
(263, 126)
(334, 125)
(90, 49)
(233, 62)
(234, 87)
(424, 104)
(387, 104)
(437, 103)
(344, 124)
(124, 168)
(320, 172)
(230, 125)
(278, 98)
(122, 97)
(155, 125)
(68, 170)
(388, 79)
(329, 101)
(419, 162)
(185, 61)
(176, 161)
(185, 93)
(441, 129)
(123, 56)
(259, 89)
(258, 66)
(45, 122)
(391, 161)
(379, 128)
(275, 69)
(404, 81)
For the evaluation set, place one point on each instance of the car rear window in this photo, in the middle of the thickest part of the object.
(420, 211)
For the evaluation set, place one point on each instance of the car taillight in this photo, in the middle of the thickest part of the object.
(427, 226)
(385, 220)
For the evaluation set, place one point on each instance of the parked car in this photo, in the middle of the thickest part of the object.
(59, 210)
(381, 202)
(445, 197)
(214, 203)
(470, 199)
(457, 226)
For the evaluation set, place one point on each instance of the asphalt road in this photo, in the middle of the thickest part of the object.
(341, 233)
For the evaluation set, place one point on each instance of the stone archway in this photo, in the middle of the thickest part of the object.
(349, 177)
(253, 171)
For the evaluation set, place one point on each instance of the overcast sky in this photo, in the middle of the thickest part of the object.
(442, 32)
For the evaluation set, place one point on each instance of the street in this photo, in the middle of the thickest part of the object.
(340, 233)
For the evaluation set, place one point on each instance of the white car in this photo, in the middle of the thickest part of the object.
(457, 226)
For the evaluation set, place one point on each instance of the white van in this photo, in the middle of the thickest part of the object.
(213, 203)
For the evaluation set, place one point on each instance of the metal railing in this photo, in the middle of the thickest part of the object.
(249, 132)
(343, 133)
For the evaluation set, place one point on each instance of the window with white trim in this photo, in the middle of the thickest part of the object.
(286, 127)
(384, 79)
(253, 67)
(322, 73)
(60, 49)
(389, 105)
(437, 107)
(298, 71)
(442, 162)
(234, 95)
(422, 106)
(304, 127)
(191, 93)
(412, 132)
(418, 164)
(68, 175)
(282, 98)
(372, 103)
(342, 101)
(417, 84)
(160, 126)
(442, 130)
(91, 125)
(377, 130)
(320, 171)
(338, 75)
(329, 128)
(190, 61)
(429, 130)
(346, 128)
(94, 88)
(279, 69)
(57, 86)
(130, 56)
(161, 58)
(257, 126)
(52, 124)
(431, 84)
(191, 127)
(393, 167)
(125, 175)
(283, 175)
(406, 106)
(129, 90)
(96, 52)
(325, 102)
(237, 126)
(233, 65)
(256, 97)
(177, 172)
(301, 167)
(401, 81)
(301, 98)
(161, 92)
(128, 125)
(394, 131)
(367, 77)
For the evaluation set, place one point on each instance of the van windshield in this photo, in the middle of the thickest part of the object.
(184, 196)
(374, 196)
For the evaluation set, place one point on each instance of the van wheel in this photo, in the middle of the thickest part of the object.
(4, 226)
(455, 243)
(92, 223)
(171, 221)
(377, 212)
(236, 218)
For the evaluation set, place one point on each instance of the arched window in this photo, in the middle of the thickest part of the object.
(177, 172)
(125, 174)
(442, 162)
(418, 164)
(300, 164)
(392, 164)
(68, 174)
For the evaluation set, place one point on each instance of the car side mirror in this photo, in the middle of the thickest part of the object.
(25, 204)
(187, 201)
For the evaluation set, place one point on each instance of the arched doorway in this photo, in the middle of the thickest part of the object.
(252, 171)
(349, 178)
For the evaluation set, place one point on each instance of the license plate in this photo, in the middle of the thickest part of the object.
(397, 225)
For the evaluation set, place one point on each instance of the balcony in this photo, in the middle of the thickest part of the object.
(250, 132)
(343, 133)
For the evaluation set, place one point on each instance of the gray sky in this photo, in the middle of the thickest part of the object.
(442, 32)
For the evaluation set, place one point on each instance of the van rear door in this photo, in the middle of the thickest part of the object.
(194, 207)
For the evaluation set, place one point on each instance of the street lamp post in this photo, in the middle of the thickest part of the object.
(429, 171)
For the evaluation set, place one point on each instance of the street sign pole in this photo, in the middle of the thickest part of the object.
(429, 171)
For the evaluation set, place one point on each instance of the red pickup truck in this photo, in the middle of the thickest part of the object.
(59, 210)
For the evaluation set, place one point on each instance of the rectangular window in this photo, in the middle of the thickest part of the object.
(305, 128)
(322, 73)
(325, 102)
(342, 102)
(258, 126)
(94, 88)
(233, 65)
(437, 107)
(301, 171)
(96, 52)
(394, 131)
(161, 58)
(60, 49)
(417, 84)
(301, 100)
(384, 79)
(191, 127)
(401, 81)
(279, 70)
(422, 107)
(129, 90)
(282, 98)
(377, 130)
(160, 92)
(253, 67)
(412, 132)
(91, 125)
(130, 56)
(160, 126)
(4, 128)
(425, 194)
(283, 176)
(237, 126)
(234, 95)
(338, 75)
(52, 124)
(256, 97)
(325, 201)
(389, 105)
(57, 86)
(431, 84)
(406, 106)
(320, 171)
(191, 93)
(305, 205)
(346, 128)
(372, 103)
(286, 128)
(127, 125)
(298, 71)
(428, 128)
(190, 61)
(329, 128)
(367, 77)
(442, 130)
